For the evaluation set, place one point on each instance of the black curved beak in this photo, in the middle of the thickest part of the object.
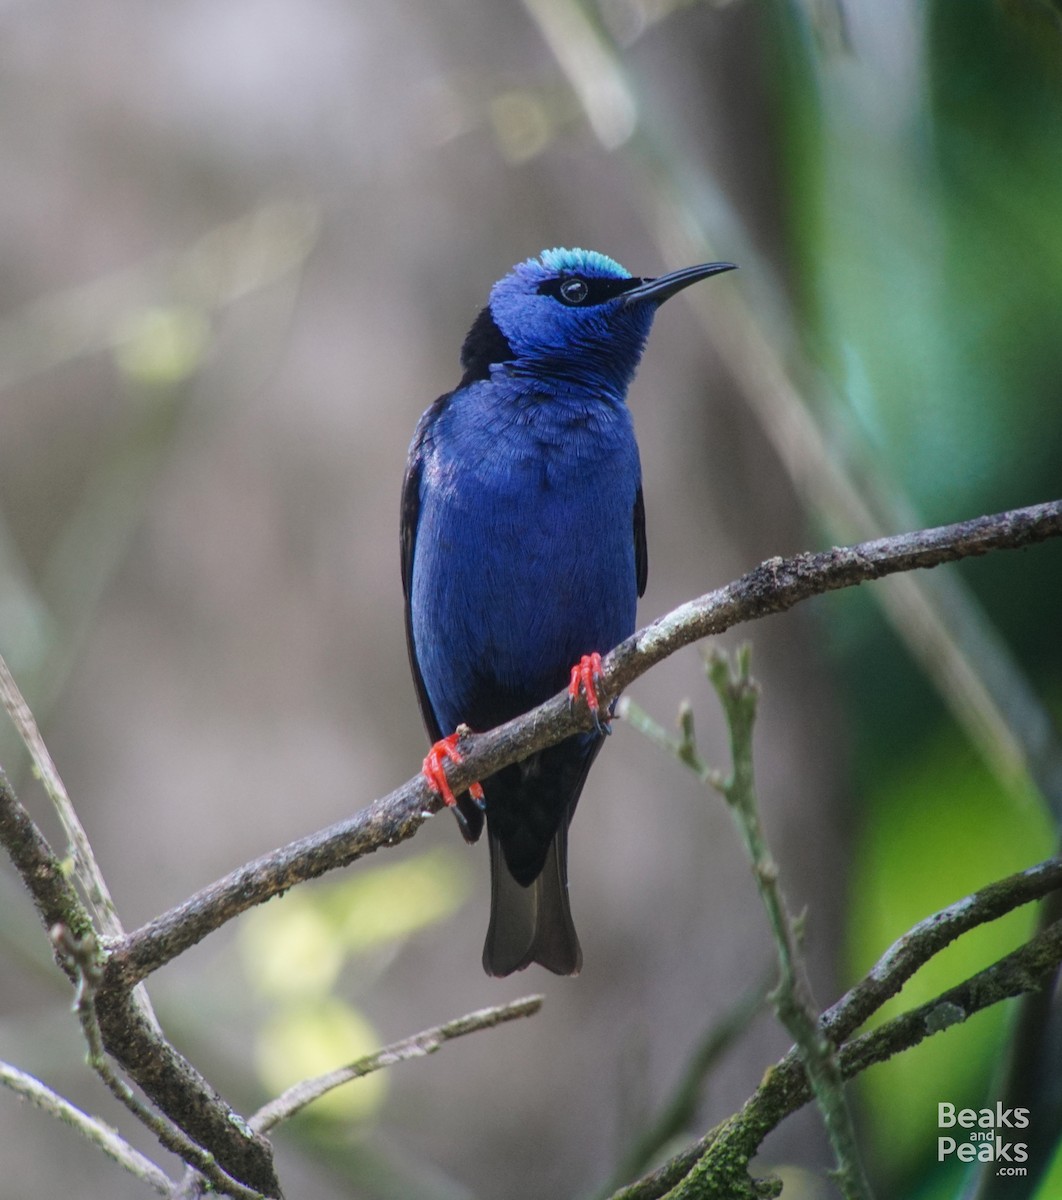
(665, 286)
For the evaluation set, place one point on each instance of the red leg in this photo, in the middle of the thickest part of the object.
(586, 674)
(435, 773)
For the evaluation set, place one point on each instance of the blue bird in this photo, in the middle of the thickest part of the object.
(523, 556)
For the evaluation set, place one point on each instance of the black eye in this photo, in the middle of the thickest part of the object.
(574, 290)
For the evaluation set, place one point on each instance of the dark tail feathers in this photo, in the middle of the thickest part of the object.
(534, 923)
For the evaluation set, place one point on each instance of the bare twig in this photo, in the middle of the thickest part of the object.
(419, 1045)
(1028, 1076)
(1024, 970)
(88, 871)
(101, 1135)
(86, 867)
(775, 586)
(920, 943)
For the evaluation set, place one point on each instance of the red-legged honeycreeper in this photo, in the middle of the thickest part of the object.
(523, 556)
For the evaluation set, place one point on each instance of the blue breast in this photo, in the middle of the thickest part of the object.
(525, 554)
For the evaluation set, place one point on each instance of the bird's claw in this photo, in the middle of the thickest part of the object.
(434, 770)
(586, 675)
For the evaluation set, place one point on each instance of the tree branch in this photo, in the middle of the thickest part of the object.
(171, 1082)
(775, 586)
(128, 1032)
(85, 960)
(721, 1157)
(923, 941)
(53, 895)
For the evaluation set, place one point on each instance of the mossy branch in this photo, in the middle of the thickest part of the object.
(721, 1158)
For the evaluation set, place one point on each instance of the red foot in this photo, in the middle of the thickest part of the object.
(586, 674)
(435, 773)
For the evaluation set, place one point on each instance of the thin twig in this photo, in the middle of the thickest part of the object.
(1028, 1076)
(419, 1045)
(85, 864)
(100, 1134)
(739, 695)
(1024, 970)
(773, 587)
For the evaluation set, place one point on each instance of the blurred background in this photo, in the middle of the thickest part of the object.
(240, 245)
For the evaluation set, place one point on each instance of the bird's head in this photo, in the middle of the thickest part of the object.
(574, 317)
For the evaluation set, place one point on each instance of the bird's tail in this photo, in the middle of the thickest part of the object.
(533, 923)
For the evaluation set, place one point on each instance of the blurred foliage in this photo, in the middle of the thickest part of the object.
(930, 265)
(1051, 1184)
(926, 180)
(157, 345)
(158, 321)
(293, 953)
(936, 828)
(312, 1037)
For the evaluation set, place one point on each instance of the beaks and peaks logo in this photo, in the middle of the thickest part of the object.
(983, 1135)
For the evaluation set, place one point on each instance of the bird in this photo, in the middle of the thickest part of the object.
(523, 555)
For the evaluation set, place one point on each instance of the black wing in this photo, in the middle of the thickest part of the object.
(641, 550)
(471, 815)
(410, 518)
